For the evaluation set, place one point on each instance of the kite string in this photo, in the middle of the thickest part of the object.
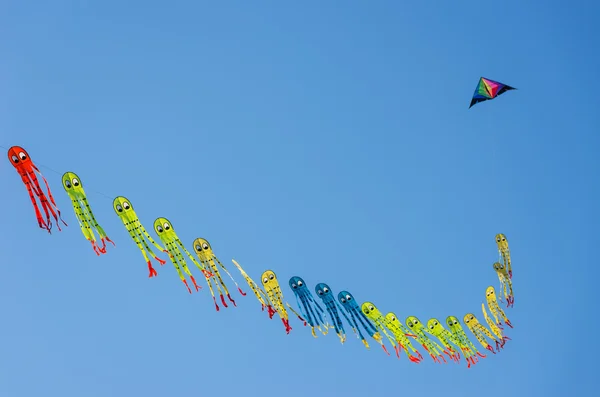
(59, 174)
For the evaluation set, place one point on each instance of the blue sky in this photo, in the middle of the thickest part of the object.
(327, 140)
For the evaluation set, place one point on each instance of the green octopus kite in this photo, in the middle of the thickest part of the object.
(87, 221)
(138, 233)
(169, 238)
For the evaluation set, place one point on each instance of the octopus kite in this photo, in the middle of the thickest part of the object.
(435, 328)
(208, 259)
(465, 343)
(124, 209)
(357, 316)
(332, 306)
(434, 350)
(505, 283)
(382, 323)
(74, 188)
(481, 332)
(169, 238)
(310, 309)
(496, 330)
(504, 252)
(271, 285)
(497, 312)
(258, 292)
(19, 158)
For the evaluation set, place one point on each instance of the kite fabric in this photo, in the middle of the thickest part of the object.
(364, 319)
(488, 89)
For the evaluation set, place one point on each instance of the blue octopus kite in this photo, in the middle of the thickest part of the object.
(326, 295)
(349, 303)
(311, 311)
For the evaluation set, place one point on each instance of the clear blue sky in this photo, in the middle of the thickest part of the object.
(328, 140)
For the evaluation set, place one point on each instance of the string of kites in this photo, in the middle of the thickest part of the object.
(367, 317)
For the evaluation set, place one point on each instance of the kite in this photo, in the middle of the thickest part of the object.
(505, 283)
(20, 159)
(381, 323)
(435, 328)
(466, 345)
(504, 252)
(312, 311)
(434, 350)
(124, 209)
(208, 258)
(497, 312)
(275, 295)
(480, 332)
(496, 329)
(167, 235)
(488, 89)
(402, 333)
(258, 292)
(349, 303)
(87, 222)
(331, 305)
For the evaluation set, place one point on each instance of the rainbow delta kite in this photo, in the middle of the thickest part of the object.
(488, 89)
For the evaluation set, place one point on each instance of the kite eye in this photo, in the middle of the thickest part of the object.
(435, 323)
(455, 322)
(294, 286)
(416, 322)
(159, 229)
(343, 300)
(22, 156)
(75, 182)
(119, 208)
(126, 205)
(471, 318)
(366, 310)
(271, 276)
(410, 324)
(300, 283)
(205, 246)
(325, 289)
(198, 248)
(503, 239)
(348, 297)
(371, 307)
(14, 158)
(68, 183)
(166, 225)
(265, 280)
(393, 318)
(431, 327)
(320, 292)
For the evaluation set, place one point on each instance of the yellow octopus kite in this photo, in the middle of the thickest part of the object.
(271, 285)
(208, 259)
